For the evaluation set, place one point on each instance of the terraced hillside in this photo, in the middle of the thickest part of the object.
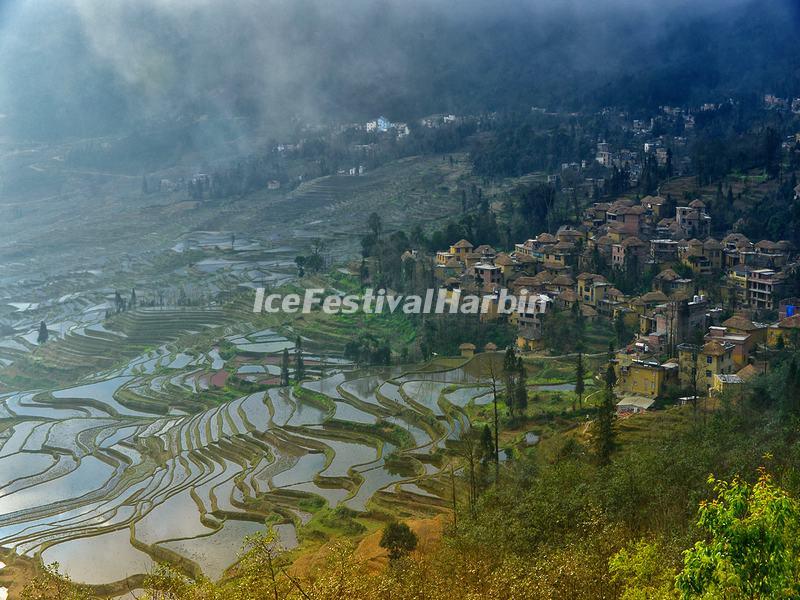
(160, 460)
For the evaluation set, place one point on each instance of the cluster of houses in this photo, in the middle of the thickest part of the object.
(673, 319)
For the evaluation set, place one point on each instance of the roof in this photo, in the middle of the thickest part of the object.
(714, 348)
(653, 297)
(543, 277)
(668, 275)
(697, 204)
(739, 322)
(640, 402)
(588, 311)
(735, 237)
(524, 280)
(546, 238)
(563, 245)
(466, 346)
(490, 347)
(453, 263)
(591, 276)
(766, 245)
(503, 260)
(484, 249)
(748, 372)
(712, 244)
(632, 242)
(568, 296)
(728, 378)
(563, 280)
(463, 244)
(792, 322)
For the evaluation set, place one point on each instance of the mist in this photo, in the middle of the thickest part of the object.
(90, 67)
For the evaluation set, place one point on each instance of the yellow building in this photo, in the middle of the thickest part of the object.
(698, 365)
(787, 329)
(641, 378)
(460, 249)
(591, 288)
(723, 383)
(467, 350)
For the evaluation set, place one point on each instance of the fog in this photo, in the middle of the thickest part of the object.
(89, 67)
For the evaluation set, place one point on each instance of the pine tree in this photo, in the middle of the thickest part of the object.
(791, 394)
(487, 443)
(521, 396)
(605, 420)
(300, 367)
(43, 333)
(509, 370)
(580, 374)
(132, 302)
(285, 367)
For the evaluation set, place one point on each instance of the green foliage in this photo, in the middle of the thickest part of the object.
(752, 548)
(398, 539)
(50, 584)
(642, 572)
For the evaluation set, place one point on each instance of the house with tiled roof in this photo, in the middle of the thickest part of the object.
(699, 364)
(630, 252)
(787, 329)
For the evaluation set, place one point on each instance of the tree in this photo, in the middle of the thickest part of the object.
(132, 301)
(580, 375)
(398, 539)
(621, 330)
(375, 224)
(509, 372)
(521, 396)
(487, 443)
(51, 584)
(605, 419)
(43, 333)
(299, 366)
(752, 544)
(300, 261)
(643, 573)
(285, 367)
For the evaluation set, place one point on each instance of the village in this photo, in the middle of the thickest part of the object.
(680, 343)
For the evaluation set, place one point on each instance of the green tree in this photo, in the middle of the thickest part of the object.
(752, 544)
(43, 333)
(285, 367)
(487, 443)
(605, 419)
(50, 584)
(641, 571)
(398, 539)
(580, 375)
(521, 396)
(299, 366)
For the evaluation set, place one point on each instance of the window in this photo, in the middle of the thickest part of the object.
(708, 373)
(708, 359)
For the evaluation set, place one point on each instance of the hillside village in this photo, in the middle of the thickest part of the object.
(712, 307)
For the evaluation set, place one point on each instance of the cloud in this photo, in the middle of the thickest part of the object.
(102, 62)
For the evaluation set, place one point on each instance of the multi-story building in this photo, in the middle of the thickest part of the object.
(693, 220)
(699, 364)
(763, 285)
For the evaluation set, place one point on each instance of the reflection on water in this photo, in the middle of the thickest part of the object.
(99, 559)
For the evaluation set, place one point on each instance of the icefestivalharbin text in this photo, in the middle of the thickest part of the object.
(434, 301)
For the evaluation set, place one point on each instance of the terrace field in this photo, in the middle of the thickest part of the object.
(159, 431)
